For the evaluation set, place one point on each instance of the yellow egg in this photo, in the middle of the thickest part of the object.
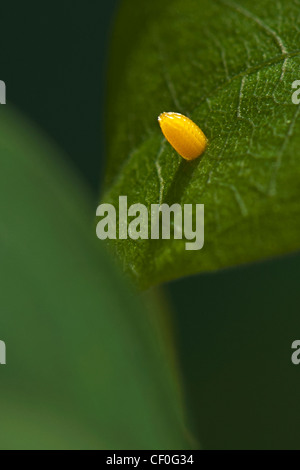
(183, 134)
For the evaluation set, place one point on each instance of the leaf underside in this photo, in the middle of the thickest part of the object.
(229, 66)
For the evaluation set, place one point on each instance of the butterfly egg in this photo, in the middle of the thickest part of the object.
(183, 134)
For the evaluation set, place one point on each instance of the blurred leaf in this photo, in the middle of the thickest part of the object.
(84, 366)
(230, 67)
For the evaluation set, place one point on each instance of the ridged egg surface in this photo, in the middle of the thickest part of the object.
(183, 134)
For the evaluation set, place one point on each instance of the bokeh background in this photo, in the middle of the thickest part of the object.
(233, 329)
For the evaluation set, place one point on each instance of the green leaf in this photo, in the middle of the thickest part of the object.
(85, 368)
(229, 66)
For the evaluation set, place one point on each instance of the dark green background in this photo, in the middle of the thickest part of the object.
(234, 328)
